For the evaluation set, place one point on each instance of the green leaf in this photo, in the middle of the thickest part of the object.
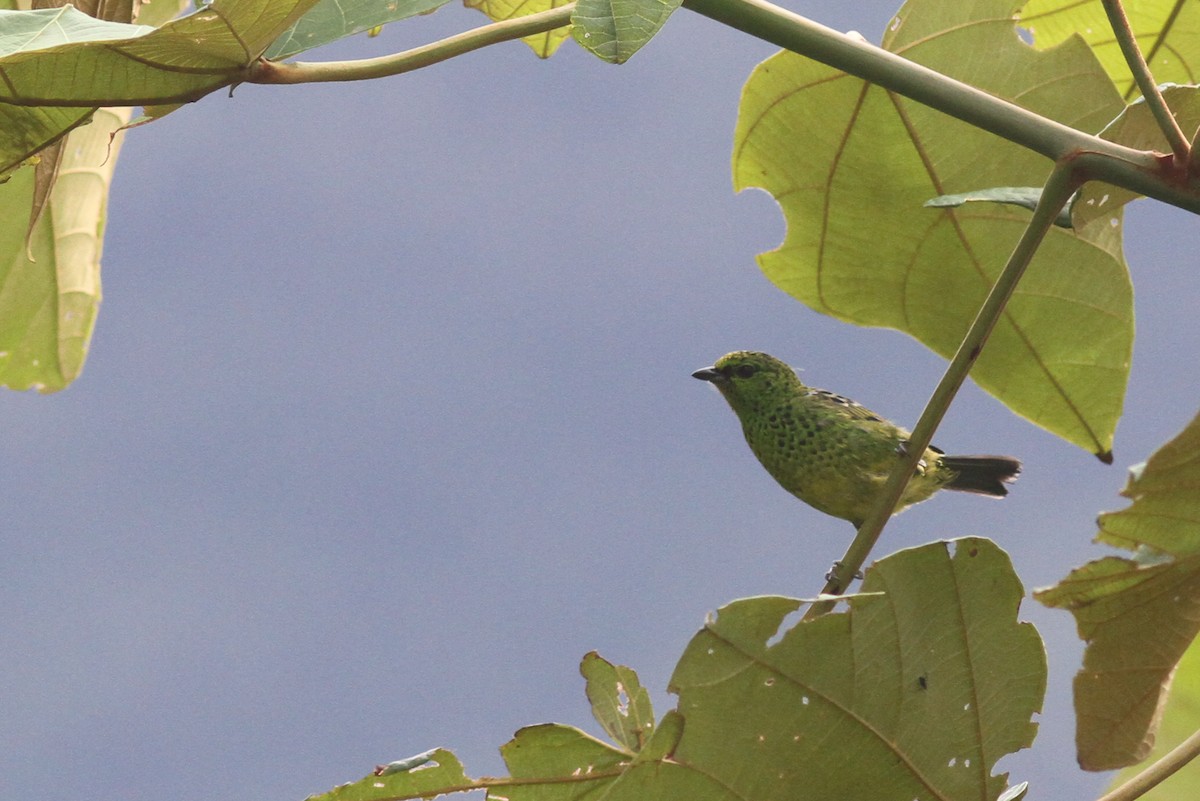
(330, 20)
(1025, 197)
(441, 773)
(61, 56)
(1167, 33)
(182, 60)
(48, 306)
(616, 29)
(851, 165)
(542, 44)
(1181, 718)
(619, 702)
(913, 695)
(1137, 615)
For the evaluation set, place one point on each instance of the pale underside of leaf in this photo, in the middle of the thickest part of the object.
(48, 305)
(852, 165)
(1168, 34)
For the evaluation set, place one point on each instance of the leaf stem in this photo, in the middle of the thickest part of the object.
(1123, 32)
(1098, 159)
(1140, 784)
(270, 72)
(1061, 184)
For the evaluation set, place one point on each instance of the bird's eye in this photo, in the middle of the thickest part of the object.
(745, 370)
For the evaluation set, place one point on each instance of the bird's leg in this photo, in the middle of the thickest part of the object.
(832, 575)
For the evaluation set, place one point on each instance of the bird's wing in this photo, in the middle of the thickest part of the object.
(842, 405)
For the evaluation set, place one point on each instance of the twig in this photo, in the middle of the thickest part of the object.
(1145, 81)
(408, 60)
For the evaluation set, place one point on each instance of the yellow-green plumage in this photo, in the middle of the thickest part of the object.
(830, 452)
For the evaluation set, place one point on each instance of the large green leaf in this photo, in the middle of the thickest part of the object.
(1167, 31)
(1137, 615)
(852, 165)
(57, 64)
(913, 695)
(48, 304)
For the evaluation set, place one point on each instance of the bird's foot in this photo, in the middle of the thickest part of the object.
(832, 575)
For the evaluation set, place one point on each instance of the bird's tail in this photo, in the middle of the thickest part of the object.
(985, 475)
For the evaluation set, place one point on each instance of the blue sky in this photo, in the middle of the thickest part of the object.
(388, 420)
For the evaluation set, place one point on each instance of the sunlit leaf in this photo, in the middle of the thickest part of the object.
(852, 165)
(542, 44)
(1136, 128)
(1138, 615)
(1168, 34)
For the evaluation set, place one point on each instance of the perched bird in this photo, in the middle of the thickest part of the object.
(830, 452)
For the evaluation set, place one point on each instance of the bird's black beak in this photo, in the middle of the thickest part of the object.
(709, 374)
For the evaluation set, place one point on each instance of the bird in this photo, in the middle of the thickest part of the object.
(832, 453)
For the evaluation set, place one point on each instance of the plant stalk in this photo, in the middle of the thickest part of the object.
(271, 72)
(1125, 37)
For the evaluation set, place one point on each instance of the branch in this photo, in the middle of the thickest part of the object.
(1145, 81)
(1063, 182)
(271, 72)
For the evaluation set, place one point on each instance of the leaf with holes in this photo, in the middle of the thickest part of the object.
(619, 701)
(1136, 128)
(852, 164)
(915, 694)
(1137, 615)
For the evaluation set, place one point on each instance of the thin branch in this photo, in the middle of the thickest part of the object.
(368, 68)
(1140, 784)
(1062, 183)
(1119, 22)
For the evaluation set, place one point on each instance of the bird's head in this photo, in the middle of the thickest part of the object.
(747, 377)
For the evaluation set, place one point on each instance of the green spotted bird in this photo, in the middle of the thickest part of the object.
(829, 451)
